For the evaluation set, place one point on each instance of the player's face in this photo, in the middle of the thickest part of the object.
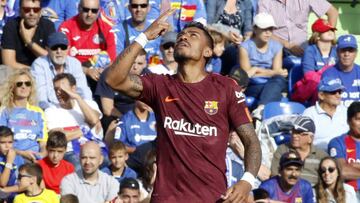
(6, 143)
(301, 139)
(139, 10)
(329, 173)
(138, 65)
(58, 54)
(130, 195)
(56, 154)
(190, 44)
(88, 12)
(354, 124)
(263, 35)
(22, 87)
(30, 12)
(290, 174)
(347, 56)
(118, 158)
(90, 160)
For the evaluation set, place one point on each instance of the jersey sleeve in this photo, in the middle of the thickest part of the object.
(336, 148)
(237, 109)
(149, 94)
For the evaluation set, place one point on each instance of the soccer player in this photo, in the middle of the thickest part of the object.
(195, 112)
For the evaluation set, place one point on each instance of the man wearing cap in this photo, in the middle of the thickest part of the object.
(328, 114)
(345, 149)
(346, 69)
(291, 18)
(45, 68)
(129, 191)
(169, 65)
(302, 137)
(288, 186)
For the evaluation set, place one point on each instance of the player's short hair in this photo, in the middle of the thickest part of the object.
(69, 198)
(33, 169)
(199, 25)
(67, 76)
(116, 146)
(56, 139)
(353, 109)
(6, 131)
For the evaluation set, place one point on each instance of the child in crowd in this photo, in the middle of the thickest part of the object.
(9, 161)
(69, 198)
(118, 157)
(53, 165)
(219, 47)
(30, 177)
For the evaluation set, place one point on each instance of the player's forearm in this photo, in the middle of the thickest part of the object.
(119, 70)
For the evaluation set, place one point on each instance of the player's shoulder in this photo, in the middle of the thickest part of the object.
(223, 80)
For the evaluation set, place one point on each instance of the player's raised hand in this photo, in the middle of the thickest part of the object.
(159, 26)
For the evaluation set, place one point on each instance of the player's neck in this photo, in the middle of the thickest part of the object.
(191, 73)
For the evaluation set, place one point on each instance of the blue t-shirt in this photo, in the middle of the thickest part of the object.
(214, 65)
(314, 61)
(133, 132)
(350, 80)
(127, 173)
(14, 171)
(114, 9)
(28, 125)
(346, 147)
(301, 191)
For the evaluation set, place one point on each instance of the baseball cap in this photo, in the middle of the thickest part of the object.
(347, 41)
(129, 183)
(304, 124)
(57, 38)
(168, 37)
(290, 158)
(264, 20)
(320, 25)
(330, 85)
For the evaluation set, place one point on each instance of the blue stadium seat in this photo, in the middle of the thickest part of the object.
(251, 102)
(295, 74)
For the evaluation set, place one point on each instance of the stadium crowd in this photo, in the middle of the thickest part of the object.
(66, 135)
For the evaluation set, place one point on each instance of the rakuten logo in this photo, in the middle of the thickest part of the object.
(185, 128)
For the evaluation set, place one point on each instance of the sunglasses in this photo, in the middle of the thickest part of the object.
(61, 46)
(23, 176)
(137, 5)
(34, 9)
(168, 45)
(20, 84)
(335, 92)
(86, 10)
(330, 169)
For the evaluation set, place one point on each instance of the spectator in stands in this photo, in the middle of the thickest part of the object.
(24, 38)
(45, 68)
(147, 176)
(344, 148)
(331, 187)
(114, 104)
(156, 7)
(9, 161)
(318, 57)
(90, 39)
(26, 120)
(220, 41)
(5, 16)
(75, 116)
(291, 19)
(118, 156)
(288, 186)
(54, 166)
(261, 58)
(30, 178)
(302, 137)
(132, 27)
(129, 191)
(236, 14)
(328, 114)
(69, 198)
(103, 187)
(346, 69)
(168, 65)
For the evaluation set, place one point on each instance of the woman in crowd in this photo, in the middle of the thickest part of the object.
(331, 188)
(23, 117)
(261, 59)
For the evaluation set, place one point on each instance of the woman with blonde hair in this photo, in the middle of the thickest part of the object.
(330, 187)
(21, 115)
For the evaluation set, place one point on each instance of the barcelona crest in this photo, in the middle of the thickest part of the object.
(211, 107)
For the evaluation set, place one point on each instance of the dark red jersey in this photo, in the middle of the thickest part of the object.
(193, 124)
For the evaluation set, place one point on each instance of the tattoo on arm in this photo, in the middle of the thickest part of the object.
(136, 85)
(123, 54)
(251, 143)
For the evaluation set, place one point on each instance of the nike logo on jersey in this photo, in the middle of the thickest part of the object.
(169, 99)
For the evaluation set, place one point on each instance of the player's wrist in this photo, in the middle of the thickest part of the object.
(142, 39)
(250, 178)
